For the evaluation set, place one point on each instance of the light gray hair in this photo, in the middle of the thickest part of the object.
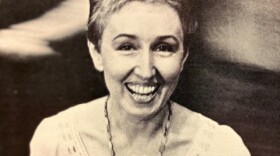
(101, 9)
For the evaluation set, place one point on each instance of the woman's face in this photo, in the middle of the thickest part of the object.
(142, 56)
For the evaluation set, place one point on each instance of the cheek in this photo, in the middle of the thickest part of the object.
(170, 69)
(115, 67)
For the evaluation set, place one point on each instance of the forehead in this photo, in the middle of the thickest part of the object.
(142, 18)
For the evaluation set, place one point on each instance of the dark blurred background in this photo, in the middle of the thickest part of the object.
(231, 76)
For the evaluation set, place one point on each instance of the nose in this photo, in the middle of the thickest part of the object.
(145, 65)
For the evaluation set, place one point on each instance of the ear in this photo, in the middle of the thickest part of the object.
(95, 56)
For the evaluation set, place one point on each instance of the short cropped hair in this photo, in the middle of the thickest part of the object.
(100, 10)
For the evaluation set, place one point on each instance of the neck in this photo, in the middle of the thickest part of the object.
(136, 126)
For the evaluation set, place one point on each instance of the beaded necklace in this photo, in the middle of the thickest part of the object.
(165, 133)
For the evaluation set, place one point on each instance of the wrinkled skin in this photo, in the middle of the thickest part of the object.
(232, 31)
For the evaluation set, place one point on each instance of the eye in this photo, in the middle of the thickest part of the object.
(164, 48)
(126, 47)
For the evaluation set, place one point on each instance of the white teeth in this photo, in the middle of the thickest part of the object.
(142, 98)
(133, 87)
(151, 89)
(146, 90)
(142, 93)
(139, 89)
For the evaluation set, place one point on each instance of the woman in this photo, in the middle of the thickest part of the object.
(141, 47)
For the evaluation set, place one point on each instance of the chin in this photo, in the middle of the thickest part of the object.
(146, 109)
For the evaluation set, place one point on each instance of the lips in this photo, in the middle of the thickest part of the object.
(142, 93)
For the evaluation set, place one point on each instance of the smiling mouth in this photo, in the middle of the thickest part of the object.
(142, 93)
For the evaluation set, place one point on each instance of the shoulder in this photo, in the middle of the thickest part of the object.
(44, 140)
(214, 139)
(58, 132)
(227, 142)
(207, 136)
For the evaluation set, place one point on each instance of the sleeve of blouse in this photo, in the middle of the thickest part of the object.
(227, 143)
(45, 139)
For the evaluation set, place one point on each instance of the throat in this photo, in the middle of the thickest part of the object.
(128, 134)
(135, 126)
(137, 147)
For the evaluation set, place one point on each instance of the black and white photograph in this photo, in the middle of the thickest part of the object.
(139, 78)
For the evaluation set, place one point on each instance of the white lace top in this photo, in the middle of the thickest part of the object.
(81, 131)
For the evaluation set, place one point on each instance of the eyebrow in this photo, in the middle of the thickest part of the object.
(125, 35)
(164, 37)
(167, 37)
